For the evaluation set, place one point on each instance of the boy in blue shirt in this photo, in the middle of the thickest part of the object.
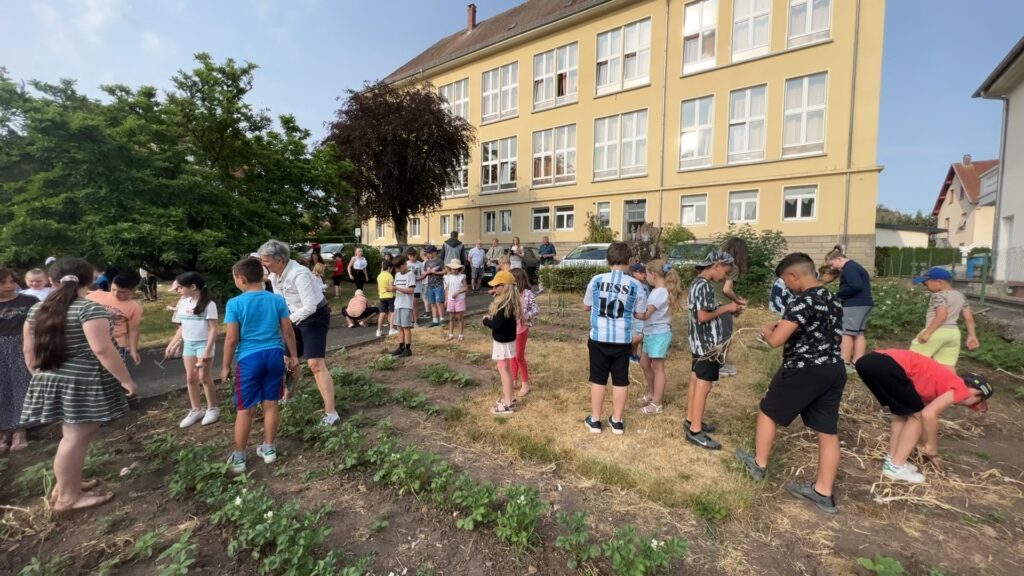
(258, 331)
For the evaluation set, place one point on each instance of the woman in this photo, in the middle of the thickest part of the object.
(855, 294)
(14, 376)
(515, 254)
(309, 313)
(75, 373)
(357, 269)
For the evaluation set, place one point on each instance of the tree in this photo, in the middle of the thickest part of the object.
(885, 215)
(675, 234)
(406, 148)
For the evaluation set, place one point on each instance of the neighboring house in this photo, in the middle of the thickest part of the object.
(1006, 83)
(968, 224)
(904, 236)
(704, 113)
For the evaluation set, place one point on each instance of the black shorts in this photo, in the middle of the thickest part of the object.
(311, 334)
(337, 280)
(416, 295)
(387, 305)
(813, 393)
(706, 370)
(889, 383)
(608, 359)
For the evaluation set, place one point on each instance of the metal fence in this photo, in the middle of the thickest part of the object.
(998, 273)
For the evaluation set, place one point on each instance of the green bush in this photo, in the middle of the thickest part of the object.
(372, 255)
(765, 249)
(912, 261)
(995, 351)
(598, 233)
(899, 310)
(674, 234)
(569, 279)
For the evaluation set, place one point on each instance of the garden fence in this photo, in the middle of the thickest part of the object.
(981, 273)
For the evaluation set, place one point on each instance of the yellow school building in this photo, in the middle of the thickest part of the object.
(703, 113)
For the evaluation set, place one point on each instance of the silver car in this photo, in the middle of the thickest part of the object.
(586, 255)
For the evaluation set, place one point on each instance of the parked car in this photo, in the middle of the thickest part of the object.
(396, 249)
(689, 253)
(531, 262)
(586, 255)
(326, 250)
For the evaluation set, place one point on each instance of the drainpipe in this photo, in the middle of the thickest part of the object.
(999, 191)
(849, 138)
(664, 101)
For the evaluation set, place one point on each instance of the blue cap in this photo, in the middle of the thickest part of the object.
(934, 273)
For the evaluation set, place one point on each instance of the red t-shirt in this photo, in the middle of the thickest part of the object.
(930, 378)
(339, 267)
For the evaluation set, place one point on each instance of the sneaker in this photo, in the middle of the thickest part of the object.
(705, 426)
(850, 369)
(268, 453)
(392, 332)
(902, 473)
(212, 415)
(727, 370)
(909, 464)
(379, 333)
(826, 504)
(406, 352)
(756, 472)
(191, 418)
(634, 358)
(330, 419)
(594, 427)
(703, 440)
(617, 427)
(236, 464)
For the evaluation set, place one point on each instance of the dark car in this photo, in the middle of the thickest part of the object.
(531, 263)
(689, 253)
(397, 249)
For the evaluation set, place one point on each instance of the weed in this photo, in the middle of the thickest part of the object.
(160, 446)
(476, 501)
(408, 470)
(996, 517)
(145, 544)
(1018, 392)
(179, 556)
(937, 572)
(517, 523)
(881, 565)
(474, 358)
(379, 525)
(425, 570)
(440, 479)
(38, 476)
(383, 363)
(55, 566)
(581, 550)
(632, 555)
(454, 413)
(439, 374)
(983, 455)
(709, 506)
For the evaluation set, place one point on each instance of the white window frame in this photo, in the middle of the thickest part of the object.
(800, 193)
(490, 222)
(456, 97)
(462, 188)
(379, 230)
(604, 219)
(544, 213)
(505, 221)
(615, 52)
(414, 227)
(500, 93)
(459, 221)
(693, 202)
(809, 36)
(625, 211)
(446, 225)
(804, 144)
(744, 201)
(552, 148)
(549, 70)
(696, 131)
(749, 153)
(753, 16)
(498, 170)
(612, 143)
(701, 29)
(565, 218)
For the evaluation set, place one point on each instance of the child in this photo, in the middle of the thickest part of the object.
(502, 318)
(385, 280)
(14, 376)
(416, 267)
(35, 279)
(317, 266)
(455, 289)
(827, 274)
(810, 381)
(337, 273)
(855, 294)
(779, 297)
(530, 309)
(403, 287)
(125, 314)
(737, 248)
(940, 339)
(433, 273)
(613, 299)
(639, 272)
(706, 333)
(258, 333)
(358, 310)
(665, 298)
(917, 389)
(196, 338)
(357, 270)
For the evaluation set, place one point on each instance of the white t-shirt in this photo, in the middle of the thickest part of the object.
(452, 284)
(416, 267)
(359, 263)
(660, 321)
(41, 293)
(405, 279)
(476, 257)
(194, 326)
(614, 297)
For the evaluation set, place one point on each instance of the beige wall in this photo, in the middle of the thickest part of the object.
(900, 238)
(978, 220)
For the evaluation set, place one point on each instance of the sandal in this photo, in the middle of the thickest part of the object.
(523, 391)
(451, 336)
(461, 337)
(651, 408)
(502, 409)
(646, 399)
(84, 502)
(87, 485)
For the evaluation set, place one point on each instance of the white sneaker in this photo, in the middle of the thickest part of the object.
(191, 418)
(236, 465)
(330, 419)
(902, 473)
(392, 332)
(212, 415)
(269, 454)
(909, 464)
(379, 333)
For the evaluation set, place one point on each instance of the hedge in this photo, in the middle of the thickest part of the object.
(575, 279)
(912, 261)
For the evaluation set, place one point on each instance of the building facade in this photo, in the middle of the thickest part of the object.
(903, 236)
(958, 209)
(705, 113)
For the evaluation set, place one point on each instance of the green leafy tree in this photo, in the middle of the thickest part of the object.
(597, 232)
(885, 215)
(764, 250)
(674, 234)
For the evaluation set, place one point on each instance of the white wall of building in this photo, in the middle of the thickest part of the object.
(900, 238)
(1010, 251)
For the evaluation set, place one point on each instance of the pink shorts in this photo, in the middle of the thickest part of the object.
(456, 305)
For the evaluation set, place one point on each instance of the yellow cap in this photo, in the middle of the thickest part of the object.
(502, 277)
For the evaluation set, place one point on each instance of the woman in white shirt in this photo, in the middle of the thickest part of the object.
(515, 254)
(357, 269)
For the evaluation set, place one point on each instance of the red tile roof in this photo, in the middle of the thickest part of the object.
(970, 178)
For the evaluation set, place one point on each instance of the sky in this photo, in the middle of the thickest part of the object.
(936, 53)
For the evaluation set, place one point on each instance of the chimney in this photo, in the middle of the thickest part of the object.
(470, 17)
(967, 159)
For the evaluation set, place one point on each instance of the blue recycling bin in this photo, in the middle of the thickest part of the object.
(975, 264)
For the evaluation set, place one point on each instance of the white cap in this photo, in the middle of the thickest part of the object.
(50, 260)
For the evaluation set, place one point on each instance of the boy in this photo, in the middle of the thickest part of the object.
(917, 389)
(403, 287)
(705, 334)
(639, 273)
(35, 279)
(433, 272)
(387, 299)
(416, 267)
(613, 300)
(940, 339)
(125, 314)
(810, 381)
(258, 332)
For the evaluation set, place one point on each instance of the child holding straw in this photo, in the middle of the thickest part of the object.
(665, 298)
(502, 317)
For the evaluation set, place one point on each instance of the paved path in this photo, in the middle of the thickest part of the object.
(155, 381)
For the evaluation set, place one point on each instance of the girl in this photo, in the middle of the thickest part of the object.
(737, 248)
(337, 273)
(14, 375)
(855, 294)
(502, 318)
(530, 308)
(639, 272)
(515, 254)
(357, 269)
(75, 374)
(196, 338)
(387, 298)
(455, 289)
(665, 298)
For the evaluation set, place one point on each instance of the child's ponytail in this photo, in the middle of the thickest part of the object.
(673, 285)
(50, 341)
(203, 300)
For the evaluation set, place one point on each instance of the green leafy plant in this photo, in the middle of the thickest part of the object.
(674, 234)
(145, 545)
(709, 507)
(577, 543)
(597, 232)
(899, 311)
(881, 565)
(37, 477)
(383, 363)
(569, 278)
(408, 470)
(764, 249)
(55, 566)
(441, 475)
(475, 500)
(179, 556)
(443, 374)
(516, 524)
(160, 446)
(632, 555)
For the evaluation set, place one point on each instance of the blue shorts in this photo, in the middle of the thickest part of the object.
(435, 295)
(259, 378)
(656, 345)
(194, 348)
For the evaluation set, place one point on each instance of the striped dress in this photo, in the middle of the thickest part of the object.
(80, 390)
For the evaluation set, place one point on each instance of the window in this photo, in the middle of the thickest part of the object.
(456, 97)
(414, 227)
(743, 206)
(620, 145)
(460, 223)
(446, 227)
(695, 132)
(750, 28)
(498, 165)
(489, 222)
(804, 120)
(380, 229)
(604, 213)
(556, 77)
(554, 156)
(500, 93)
(699, 21)
(809, 21)
(798, 202)
(461, 187)
(746, 124)
(506, 220)
(624, 57)
(541, 220)
(693, 210)
(564, 217)
(635, 215)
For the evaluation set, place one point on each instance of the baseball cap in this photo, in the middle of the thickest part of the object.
(502, 277)
(637, 267)
(430, 249)
(714, 258)
(50, 260)
(934, 273)
(978, 382)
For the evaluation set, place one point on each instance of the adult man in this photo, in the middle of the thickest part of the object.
(476, 264)
(493, 253)
(453, 248)
(546, 250)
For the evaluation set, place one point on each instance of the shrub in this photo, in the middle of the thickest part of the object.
(881, 565)
(475, 500)
(517, 523)
(674, 234)
(569, 278)
(598, 233)
(633, 555)
(577, 543)
(899, 311)
(765, 249)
